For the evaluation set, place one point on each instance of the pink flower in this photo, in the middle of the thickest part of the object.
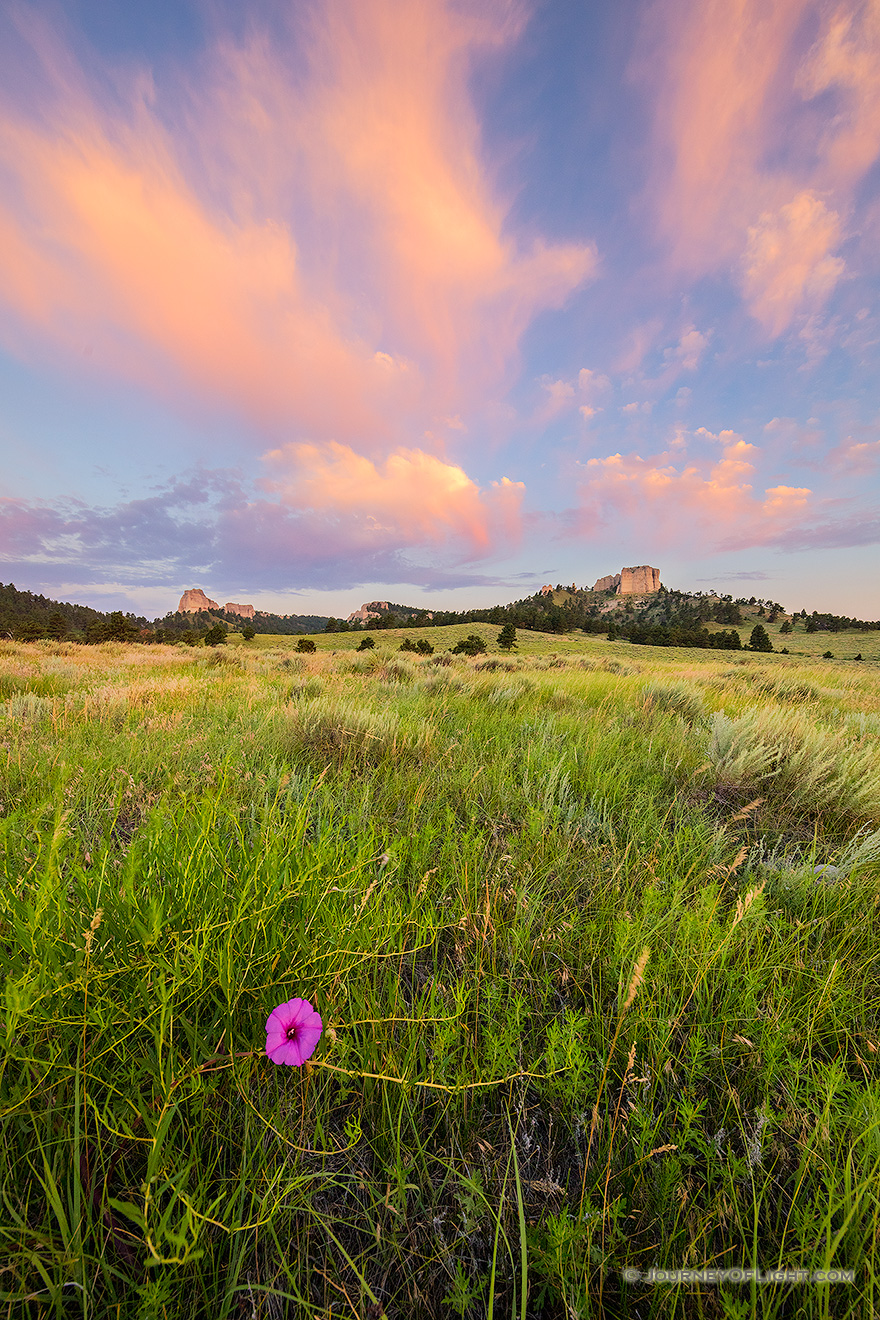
(292, 1032)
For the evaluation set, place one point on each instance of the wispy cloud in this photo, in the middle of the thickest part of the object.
(306, 231)
(752, 171)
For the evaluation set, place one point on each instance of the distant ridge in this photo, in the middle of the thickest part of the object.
(662, 617)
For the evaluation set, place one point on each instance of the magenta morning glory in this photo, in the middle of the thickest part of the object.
(292, 1032)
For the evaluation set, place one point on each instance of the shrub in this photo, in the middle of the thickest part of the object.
(366, 643)
(676, 697)
(473, 644)
(805, 766)
(323, 728)
(305, 645)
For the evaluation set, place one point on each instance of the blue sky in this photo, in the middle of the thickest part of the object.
(431, 301)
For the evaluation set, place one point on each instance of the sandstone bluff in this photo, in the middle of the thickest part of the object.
(195, 600)
(628, 582)
(631, 581)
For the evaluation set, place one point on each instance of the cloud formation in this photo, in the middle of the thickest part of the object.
(325, 517)
(305, 231)
(410, 499)
(705, 500)
(752, 171)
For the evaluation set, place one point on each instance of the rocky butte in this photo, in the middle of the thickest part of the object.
(195, 600)
(373, 609)
(631, 581)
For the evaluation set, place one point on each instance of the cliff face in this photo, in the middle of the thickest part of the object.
(638, 580)
(373, 609)
(631, 581)
(610, 583)
(194, 600)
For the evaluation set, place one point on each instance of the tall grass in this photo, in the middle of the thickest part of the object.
(461, 867)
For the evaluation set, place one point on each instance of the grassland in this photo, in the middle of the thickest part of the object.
(593, 930)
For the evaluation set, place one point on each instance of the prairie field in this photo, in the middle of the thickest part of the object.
(593, 930)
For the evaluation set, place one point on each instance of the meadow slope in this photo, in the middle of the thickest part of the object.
(593, 929)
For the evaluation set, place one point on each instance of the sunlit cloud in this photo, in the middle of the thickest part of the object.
(788, 266)
(325, 515)
(412, 498)
(305, 231)
(752, 171)
(701, 499)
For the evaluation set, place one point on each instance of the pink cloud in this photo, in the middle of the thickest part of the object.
(751, 171)
(707, 501)
(411, 498)
(787, 267)
(855, 457)
(320, 248)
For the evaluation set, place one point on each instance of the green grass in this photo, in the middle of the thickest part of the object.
(461, 866)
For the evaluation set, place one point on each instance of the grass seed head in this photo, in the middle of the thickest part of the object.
(638, 977)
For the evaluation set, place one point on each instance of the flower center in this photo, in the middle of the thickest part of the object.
(292, 1032)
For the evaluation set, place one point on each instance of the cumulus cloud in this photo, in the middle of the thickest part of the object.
(412, 498)
(560, 395)
(325, 516)
(689, 349)
(697, 499)
(592, 384)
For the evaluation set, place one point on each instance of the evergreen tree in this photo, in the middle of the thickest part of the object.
(759, 641)
(216, 636)
(507, 637)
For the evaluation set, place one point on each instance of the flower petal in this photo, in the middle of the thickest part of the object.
(308, 1036)
(297, 1016)
(287, 1052)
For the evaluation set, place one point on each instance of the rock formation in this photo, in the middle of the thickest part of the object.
(637, 580)
(373, 609)
(631, 581)
(194, 600)
(610, 583)
(547, 591)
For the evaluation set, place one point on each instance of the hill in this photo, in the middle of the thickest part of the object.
(704, 620)
(25, 616)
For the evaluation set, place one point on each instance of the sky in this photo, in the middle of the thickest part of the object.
(437, 301)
